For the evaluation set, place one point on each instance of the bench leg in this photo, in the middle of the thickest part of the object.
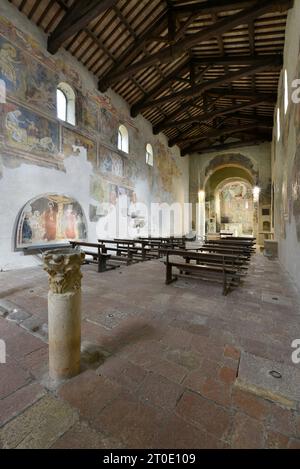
(101, 264)
(168, 274)
(225, 290)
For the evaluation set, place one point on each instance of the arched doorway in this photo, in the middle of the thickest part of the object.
(235, 207)
(229, 203)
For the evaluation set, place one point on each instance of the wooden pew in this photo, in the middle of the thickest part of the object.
(229, 275)
(140, 249)
(98, 257)
(124, 251)
(224, 250)
(234, 260)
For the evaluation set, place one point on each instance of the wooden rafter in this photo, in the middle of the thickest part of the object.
(170, 53)
(227, 146)
(254, 61)
(77, 18)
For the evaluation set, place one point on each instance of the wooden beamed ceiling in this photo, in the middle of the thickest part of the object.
(196, 69)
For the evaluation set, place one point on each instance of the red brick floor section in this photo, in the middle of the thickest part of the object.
(168, 357)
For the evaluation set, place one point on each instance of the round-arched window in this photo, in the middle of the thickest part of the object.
(65, 102)
(149, 154)
(123, 139)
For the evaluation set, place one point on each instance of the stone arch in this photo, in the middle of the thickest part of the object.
(235, 160)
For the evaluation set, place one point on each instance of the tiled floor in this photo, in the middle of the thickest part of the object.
(160, 362)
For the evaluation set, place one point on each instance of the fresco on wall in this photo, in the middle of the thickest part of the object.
(12, 68)
(88, 111)
(236, 208)
(73, 142)
(167, 169)
(102, 190)
(296, 191)
(28, 132)
(26, 78)
(41, 87)
(131, 171)
(109, 126)
(111, 162)
(50, 219)
(230, 159)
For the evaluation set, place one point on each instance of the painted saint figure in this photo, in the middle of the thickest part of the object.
(50, 222)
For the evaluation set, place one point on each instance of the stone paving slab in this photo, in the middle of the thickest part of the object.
(39, 426)
(277, 381)
(161, 371)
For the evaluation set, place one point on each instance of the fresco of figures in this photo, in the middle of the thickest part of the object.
(26, 78)
(73, 143)
(29, 132)
(50, 218)
(111, 162)
(109, 126)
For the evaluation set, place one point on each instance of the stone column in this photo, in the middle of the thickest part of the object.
(64, 311)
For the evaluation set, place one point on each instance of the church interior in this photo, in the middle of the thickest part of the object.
(150, 224)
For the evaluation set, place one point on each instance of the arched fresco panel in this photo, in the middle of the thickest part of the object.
(50, 219)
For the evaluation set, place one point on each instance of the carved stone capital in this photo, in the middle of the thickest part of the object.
(63, 267)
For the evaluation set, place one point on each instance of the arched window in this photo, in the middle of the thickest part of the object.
(149, 154)
(123, 140)
(65, 101)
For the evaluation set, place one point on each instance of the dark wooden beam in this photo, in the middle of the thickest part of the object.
(224, 93)
(213, 6)
(228, 146)
(238, 60)
(253, 59)
(171, 53)
(212, 115)
(77, 18)
(216, 134)
(196, 91)
(156, 28)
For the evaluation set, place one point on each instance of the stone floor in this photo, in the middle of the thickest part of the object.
(160, 363)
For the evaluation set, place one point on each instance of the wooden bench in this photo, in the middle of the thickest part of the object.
(224, 250)
(98, 257)
(125, 251)
(140, 249)
(228, 275)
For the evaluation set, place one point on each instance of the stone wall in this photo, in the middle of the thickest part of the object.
(286, 154)
(40, 155)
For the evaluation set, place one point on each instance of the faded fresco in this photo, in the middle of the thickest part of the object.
(50, 219)
(236, 205)
(88, 111)
(110, 162)
(167, 171)
(28, 132)
(31, 132)
(26, 78)
(73, 142)
(109, 125)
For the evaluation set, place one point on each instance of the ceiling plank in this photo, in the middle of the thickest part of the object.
(258, 61)
(180, 48)
(217, 134)
(77, 18)
(212, 115)
(228, 146)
